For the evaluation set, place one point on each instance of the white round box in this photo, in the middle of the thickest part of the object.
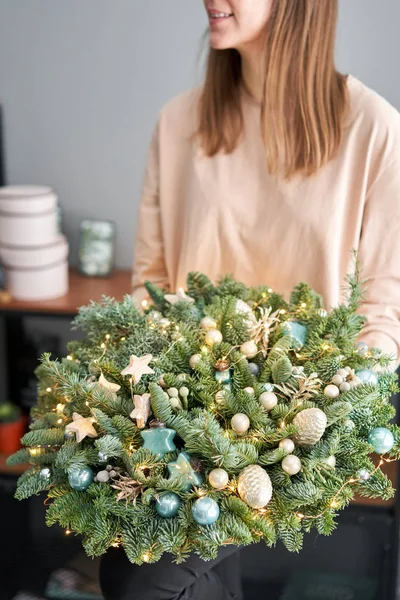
(28, 215)
(36, 273)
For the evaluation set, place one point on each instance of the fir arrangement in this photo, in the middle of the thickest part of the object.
(218, 415)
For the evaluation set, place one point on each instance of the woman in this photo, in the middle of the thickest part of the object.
(274, 171)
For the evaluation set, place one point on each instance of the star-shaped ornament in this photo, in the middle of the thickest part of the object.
(138, 366)
(82, 427)
(141, 412)
(180, 296)
(182, 469)
(159, 440)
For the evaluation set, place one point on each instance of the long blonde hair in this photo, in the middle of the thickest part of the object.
(305, 98)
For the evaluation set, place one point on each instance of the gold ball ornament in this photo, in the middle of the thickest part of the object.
(218, 478)
(291, 464)
(311, 424)
(194, 360)
(268, 400)
(254, 486)
(249, 349)
(240, 423)
(208, 323)
(213, 336)
(220, 396)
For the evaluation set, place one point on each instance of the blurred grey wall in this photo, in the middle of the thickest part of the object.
(82, 82)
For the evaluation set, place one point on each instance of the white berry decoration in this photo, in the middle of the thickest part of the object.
(213, 336)
(311, 425)
(249, 349)
(240, 423)
(218, 478)
(291, 464)
(268, 400)
(254, 486)
(287, 445)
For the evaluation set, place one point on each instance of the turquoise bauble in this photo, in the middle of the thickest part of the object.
(80, 479)
(168, 505)
(297, 331)
(159, 440)
(268, 387)
(205, 511)
(381, 439)
(367, 376)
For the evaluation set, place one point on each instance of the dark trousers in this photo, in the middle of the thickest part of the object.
(195, 579)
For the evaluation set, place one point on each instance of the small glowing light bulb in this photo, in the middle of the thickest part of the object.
(144, 303)
(146, 557)
(103, 345)
(69, 357)
(48, 389)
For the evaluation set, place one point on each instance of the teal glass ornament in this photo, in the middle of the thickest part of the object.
(297, 331)
(182, 469)
(80, 479)
(268, 387)
(205, 511)
(223, 377)
(167, 505)
(381, 439)
(367, 376)
(159, 440)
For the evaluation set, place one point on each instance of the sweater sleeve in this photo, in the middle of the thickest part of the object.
(379, 255)
(149, 263)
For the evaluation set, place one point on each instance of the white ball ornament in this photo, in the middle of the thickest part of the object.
(194, 360)
(345, 386)
(218, 478)
(213, 336)
(311, 424)
(268, 400)
(173, 393)
(331, 391)
(254, 486)
(240, 423)
(291, 464)
(249, 349)
(208, 323)
(337, 380)
(287, 445)
(249, 390)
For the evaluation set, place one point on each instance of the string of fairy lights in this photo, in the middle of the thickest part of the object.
(167, 325)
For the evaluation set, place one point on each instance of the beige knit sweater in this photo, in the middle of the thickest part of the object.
(226, 214)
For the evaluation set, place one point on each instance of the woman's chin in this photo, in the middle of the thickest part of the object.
(219, 43)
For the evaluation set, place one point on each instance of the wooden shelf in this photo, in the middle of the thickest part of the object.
(81, 290)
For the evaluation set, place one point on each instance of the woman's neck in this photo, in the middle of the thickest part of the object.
(253, 72)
